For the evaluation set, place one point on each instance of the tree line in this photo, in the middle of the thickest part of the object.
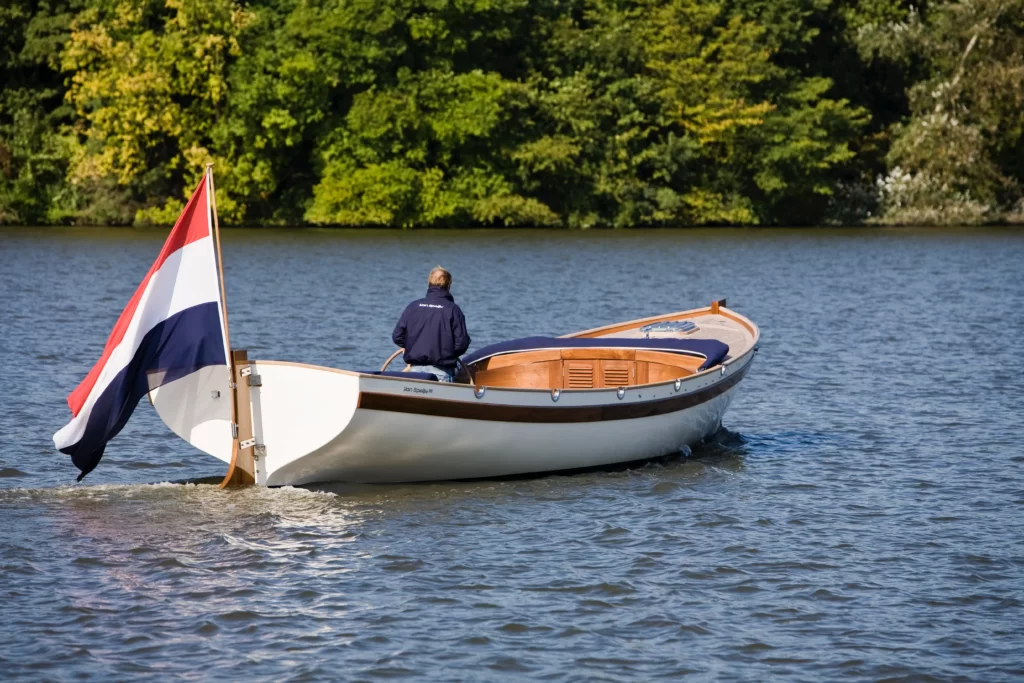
(574, 113)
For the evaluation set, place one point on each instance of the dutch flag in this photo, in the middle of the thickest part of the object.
(172, 327)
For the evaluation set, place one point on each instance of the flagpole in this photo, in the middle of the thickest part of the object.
(241, 469)
(220, 260)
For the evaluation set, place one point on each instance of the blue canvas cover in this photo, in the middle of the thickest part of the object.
(712, 350)
(400, 374)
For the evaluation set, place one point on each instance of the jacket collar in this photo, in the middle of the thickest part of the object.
(438, 293)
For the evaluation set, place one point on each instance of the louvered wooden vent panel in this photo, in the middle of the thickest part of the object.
(617, 373)
(579, 376)
(616, 377)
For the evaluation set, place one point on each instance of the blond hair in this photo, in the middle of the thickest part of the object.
(439, 277)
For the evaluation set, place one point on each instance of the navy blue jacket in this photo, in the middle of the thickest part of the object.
(432, 330)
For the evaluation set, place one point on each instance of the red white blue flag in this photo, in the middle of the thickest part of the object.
(172, 327)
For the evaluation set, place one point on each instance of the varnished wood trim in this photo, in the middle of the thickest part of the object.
(391, 358)
(544, 415)
(691, 363)
(598, 354)
(555, 380)
(724, 312)
(242, 469)
(529, 375)
(518, 358)
(616, 328)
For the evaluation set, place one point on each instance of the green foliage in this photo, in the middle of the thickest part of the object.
(33, 151)
(958, 157)
(417, 154)
(148, 79)
(576, 113)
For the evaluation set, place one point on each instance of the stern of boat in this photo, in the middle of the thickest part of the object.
(296, 409)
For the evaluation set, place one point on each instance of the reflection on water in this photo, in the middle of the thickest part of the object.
(859, 516)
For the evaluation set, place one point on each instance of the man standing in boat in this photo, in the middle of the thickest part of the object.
(433, 329)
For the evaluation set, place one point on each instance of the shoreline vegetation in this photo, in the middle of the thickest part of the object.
(512, 113)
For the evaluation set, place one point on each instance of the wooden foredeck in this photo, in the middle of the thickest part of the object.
(709, 326)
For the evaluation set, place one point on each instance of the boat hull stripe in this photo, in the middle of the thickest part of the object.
(464, 410)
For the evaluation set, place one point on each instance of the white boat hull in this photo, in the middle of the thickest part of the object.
(378, 446)
(315, 424)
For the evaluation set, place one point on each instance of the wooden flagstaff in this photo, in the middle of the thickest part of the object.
(241, 470)
(220, 260)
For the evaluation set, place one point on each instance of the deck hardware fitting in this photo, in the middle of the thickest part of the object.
(679, 384)
(556, 394)
(248, 443)
(234, 430)
(621, 392)
(259, 451)
(255, 380)
(480, 391)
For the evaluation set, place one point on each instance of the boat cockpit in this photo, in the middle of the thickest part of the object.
(647, 351)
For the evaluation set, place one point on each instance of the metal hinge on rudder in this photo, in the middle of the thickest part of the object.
(259, 450)
(253, 379)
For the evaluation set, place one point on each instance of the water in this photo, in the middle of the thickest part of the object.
(860, 517)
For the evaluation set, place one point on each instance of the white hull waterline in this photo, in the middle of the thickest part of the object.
(524, 412)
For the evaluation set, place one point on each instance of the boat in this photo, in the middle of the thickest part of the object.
(621, 393)
(617, 394)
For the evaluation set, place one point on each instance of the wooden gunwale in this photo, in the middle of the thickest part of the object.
(639, 322)
(725, 312)
(605, 330)
(434, 407)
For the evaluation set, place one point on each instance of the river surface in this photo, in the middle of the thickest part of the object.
(860, 516)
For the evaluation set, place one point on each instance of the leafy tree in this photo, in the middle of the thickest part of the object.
(421, 144)
(33, 154)
(148, 81)
(957, 159)
(678, 113)
(576, 113)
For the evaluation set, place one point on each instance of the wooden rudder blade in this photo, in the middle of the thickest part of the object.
(241, 471)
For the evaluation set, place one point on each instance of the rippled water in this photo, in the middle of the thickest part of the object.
(861, 516)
